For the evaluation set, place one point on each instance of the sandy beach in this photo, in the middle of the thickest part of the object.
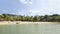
(23, 22)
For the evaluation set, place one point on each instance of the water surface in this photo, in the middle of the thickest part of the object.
(30, 29)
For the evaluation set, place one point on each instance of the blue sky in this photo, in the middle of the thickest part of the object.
(30, 7)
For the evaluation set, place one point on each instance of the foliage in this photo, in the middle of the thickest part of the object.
(49, 18)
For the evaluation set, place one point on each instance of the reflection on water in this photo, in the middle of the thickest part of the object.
(30, 29)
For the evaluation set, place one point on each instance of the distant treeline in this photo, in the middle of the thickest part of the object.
(46, 18)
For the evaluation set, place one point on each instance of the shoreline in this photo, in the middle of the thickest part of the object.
(24, 22)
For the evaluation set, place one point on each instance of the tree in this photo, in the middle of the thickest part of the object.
(45, 17)
(55, 15)
(36, 18)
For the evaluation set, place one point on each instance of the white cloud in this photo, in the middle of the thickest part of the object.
(4, 11)
(30, 3)
(42, 7)
(23, 1)
(21, 12)
(26, 2)
(34, 12)
(47, 6)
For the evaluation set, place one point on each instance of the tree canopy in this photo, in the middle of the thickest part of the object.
(48, 18)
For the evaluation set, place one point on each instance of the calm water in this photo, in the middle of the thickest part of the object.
(30, 29)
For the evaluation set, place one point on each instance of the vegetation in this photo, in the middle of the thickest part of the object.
(47, 18)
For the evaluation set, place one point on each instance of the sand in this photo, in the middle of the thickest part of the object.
(22, 22)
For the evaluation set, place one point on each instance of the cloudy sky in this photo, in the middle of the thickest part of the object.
(30, 7)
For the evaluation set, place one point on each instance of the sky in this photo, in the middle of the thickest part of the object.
(30, 7)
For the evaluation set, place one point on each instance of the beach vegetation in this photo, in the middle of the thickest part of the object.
(45, 18)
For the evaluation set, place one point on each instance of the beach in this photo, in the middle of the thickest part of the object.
(24, 22)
